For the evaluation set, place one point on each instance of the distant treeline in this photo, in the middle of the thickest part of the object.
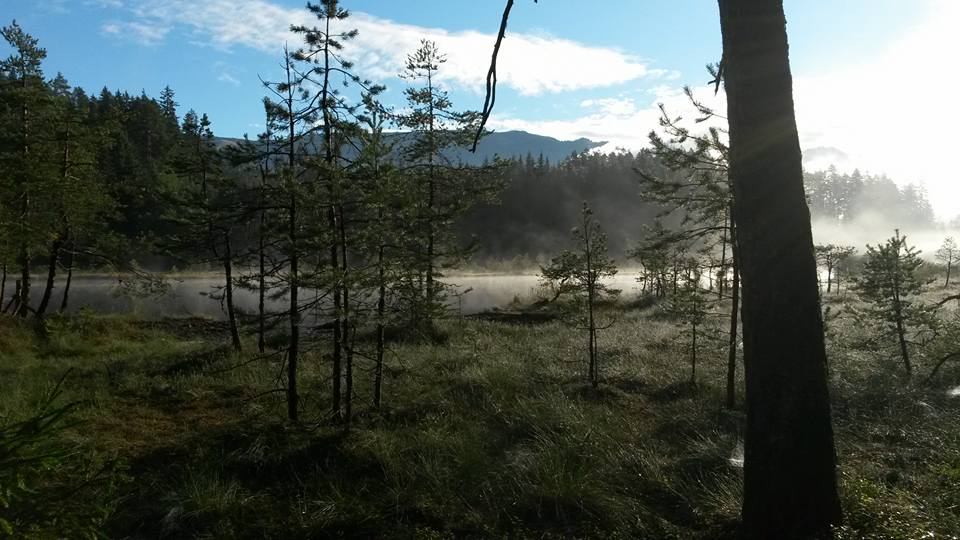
(846, 197)
(541, 201)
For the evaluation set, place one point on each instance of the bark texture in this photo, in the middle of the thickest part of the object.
(790, 461)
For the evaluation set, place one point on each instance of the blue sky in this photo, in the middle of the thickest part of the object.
(865, 70)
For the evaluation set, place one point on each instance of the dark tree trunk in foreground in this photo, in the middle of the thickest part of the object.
(51, 278)
(790, 486)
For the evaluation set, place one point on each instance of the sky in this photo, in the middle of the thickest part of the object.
(873, 79)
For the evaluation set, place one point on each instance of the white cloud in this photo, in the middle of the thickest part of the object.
(612, 106)
(105, 3)
(228, 78)
(619, 121)
(226, 74)
(145, 33)
(110, 28)
(531, 64)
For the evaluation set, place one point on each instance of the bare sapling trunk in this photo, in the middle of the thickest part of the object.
(261, 289)
(14, 302)
(292, 349)
(381, 309)
(693, 354)
(64, 301)
(228, 284)
(732, 345)
(722, 272)
(378, 368)
(346, 333)
(23, 300)
(3, 282)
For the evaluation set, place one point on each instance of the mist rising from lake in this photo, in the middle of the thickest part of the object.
(201, 296)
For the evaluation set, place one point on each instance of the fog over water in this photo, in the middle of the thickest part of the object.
(200, 296)
(473, 292)
(873, 228)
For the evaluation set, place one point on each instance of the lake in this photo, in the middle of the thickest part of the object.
(199, 296)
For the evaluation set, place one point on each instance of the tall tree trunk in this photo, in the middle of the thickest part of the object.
(66, 286)
(829, 277)
(734, 317)
(346, 333)
(722, 273)
(431, 197)
(790, 488)
(23, 301)
(293, 349)
(329, 158)
(228, 283)
(337, 320)
(591, 298)
(51, 278)
(261, 289)
(949, 265)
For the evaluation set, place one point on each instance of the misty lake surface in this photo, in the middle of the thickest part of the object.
(200, 296)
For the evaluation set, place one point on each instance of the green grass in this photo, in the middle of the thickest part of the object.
(494, 433)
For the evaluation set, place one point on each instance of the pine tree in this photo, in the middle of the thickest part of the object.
(25, 95)
(890, 282)
(445, 190)
(690, 306)
(387, 205)
(169, 105)
(292, 115)
(207, 209)
(699, 190)
(79, 201)
(580, 272)
(948, 253)
(322, 54)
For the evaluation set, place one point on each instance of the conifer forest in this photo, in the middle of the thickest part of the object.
(386, 311)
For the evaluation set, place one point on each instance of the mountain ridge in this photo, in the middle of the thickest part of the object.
(503, 144)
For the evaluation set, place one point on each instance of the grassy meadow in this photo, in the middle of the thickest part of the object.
(493, 433)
